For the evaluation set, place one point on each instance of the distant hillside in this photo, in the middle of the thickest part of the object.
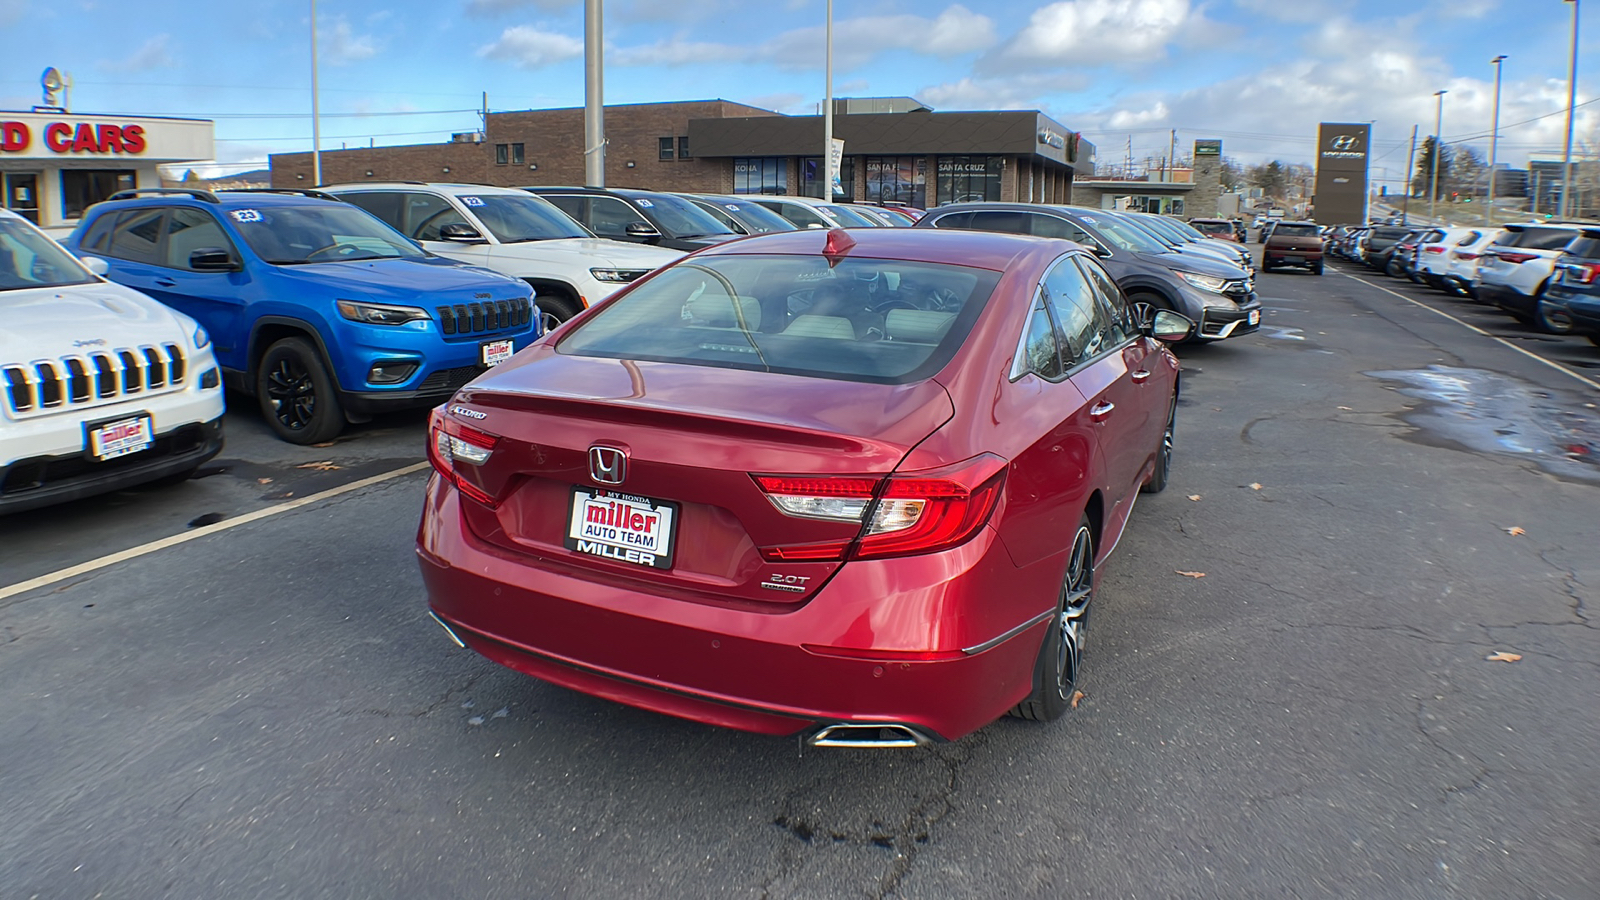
(255, 178)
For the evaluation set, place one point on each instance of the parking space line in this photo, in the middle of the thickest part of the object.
(112, 559)
(1502, 341)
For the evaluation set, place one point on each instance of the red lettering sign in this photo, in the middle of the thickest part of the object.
(85, 141)
(133, 139)
(110, 137)
(56, 137)
(14, 137)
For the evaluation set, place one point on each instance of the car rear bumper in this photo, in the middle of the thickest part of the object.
(1505, 297)
(45, 480)
(770, 670)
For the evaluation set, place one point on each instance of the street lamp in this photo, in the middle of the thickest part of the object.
(1494, 138)
(1438, 148)
(1572, 103)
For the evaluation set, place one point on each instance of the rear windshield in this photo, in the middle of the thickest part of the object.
(755, 217)
(1389, 234)
(1537, 238)
(875, 320)
(1296, 231)
(1586, 247)
(1213, 227)
(678, 217)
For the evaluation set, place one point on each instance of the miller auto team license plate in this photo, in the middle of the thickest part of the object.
(1254, 317)
(496, 352)
(120, 438)
(622, 527)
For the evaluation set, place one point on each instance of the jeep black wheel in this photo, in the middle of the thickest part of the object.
(296, 393)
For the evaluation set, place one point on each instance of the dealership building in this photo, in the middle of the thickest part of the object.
(55, 164)
(895, 149)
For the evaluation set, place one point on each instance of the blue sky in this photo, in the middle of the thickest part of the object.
(1259, 74)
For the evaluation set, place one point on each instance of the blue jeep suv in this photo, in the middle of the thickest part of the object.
(317, 308)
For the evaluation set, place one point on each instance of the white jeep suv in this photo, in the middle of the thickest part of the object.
(514, 233)
(101, 387)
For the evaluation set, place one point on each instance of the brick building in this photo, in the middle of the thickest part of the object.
(895, 149)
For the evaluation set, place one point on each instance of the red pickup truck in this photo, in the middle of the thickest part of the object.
(1293, 244)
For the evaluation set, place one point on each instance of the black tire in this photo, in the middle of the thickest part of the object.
(1158, 479)
(1316, 268)
(1266, 264)
(297, 395)
(1549, 319)
(1056, 671)
(555, 309)
(1145, 304)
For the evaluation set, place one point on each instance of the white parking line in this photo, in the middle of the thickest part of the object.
(112, 559)
(1533, 356)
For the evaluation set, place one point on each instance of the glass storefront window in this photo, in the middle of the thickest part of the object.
(760, 175)
(83, 188)
(965, 178)
(898, 179)
(811, 178)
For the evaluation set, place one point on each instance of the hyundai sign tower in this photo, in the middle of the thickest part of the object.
(1341, 197)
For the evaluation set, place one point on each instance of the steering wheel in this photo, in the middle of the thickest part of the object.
(944, 298)
(348, 248)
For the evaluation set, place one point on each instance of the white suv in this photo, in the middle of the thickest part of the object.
(514, 233)
(1515, 268)
(101, 387)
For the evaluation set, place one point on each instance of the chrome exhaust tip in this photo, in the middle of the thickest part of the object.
(448, 630)
(868, 735)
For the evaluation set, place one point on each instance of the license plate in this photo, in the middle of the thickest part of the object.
(1254, 318)
(120, 438)
(496, 352)
(622, 527)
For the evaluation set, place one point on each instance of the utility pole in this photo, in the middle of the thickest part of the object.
(827, 110)
(316, 118)
(1494, 139)
(1405, 208)
(594, 122)
(1438, 149)
(1172, 157)
(1572, 103)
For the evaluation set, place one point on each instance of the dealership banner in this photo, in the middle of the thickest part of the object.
(1342, 167)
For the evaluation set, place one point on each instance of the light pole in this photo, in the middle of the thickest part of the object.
(1438, 148)
(316, 119)
(1572, 102)
(1494, 139)
(594, 93)
(827, 111)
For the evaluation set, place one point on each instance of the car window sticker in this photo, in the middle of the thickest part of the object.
(246, 215)
(645, 203)
(732, 206)
(472, 201)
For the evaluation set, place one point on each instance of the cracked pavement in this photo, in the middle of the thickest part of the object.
(268, 712)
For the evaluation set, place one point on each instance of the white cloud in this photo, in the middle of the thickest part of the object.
(496, 7)
(339, 45)
(1017, 92)
(856, 42)
(154, 53)
(1090, 32)
(530, 48)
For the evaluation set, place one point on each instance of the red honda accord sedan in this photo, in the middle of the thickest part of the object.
(852, 483)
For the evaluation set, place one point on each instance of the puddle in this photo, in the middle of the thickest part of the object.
(1493, 413)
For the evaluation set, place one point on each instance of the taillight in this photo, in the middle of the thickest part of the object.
(1433, 249)
(1512, 257)
(902, 515)
(1585, 273)
(1462, 254)
(451, 443)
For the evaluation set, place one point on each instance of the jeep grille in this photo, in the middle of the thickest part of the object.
(92, 379)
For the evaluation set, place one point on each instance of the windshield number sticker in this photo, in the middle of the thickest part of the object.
(246, 215)
(645, 203)
(731, 206)
(472, 201)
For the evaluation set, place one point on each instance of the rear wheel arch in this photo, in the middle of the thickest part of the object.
(556, 299)
(1095, 509)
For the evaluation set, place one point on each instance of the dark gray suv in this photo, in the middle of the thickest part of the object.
(1215, 294)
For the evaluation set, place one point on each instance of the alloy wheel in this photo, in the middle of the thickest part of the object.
(1077, 590)
(292, 392)
(1552, 319)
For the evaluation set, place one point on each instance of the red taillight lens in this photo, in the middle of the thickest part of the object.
(1583, 273)
(904, 514)
(450, 443)
(1433, 249)
(1511, 257)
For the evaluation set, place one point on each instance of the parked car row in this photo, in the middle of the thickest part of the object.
(1539, 272)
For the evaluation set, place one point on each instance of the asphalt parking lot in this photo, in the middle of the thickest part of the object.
(1383, 685)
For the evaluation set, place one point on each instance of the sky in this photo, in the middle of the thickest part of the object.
(1258, 74)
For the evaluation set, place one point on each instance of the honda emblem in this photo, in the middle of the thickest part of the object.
(608, 465)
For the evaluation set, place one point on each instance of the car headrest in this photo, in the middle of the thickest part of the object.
(917, 325)
(822, 327)
(718, 311)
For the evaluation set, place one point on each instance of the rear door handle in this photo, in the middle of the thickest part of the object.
(166, 282)
(1100, 411)
(1141, 376)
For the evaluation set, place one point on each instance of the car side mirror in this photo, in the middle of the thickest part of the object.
(212, 259)
(460, 233)
(95, 264)
(1100, 251)
(641, 230)
(1170, 327)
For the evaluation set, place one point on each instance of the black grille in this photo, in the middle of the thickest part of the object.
(448, 381)
(490, 316)
(100, 376)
